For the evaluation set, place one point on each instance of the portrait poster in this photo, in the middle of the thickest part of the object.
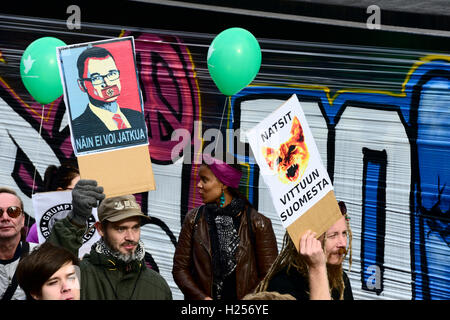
(102, 95)
(291, 166)
(49, 207)
(106, 116)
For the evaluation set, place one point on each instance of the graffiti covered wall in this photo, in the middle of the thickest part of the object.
(380, 118)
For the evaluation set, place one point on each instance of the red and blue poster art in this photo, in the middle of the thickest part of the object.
(102, 95)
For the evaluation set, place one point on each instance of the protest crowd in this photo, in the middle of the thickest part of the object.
(226, 249)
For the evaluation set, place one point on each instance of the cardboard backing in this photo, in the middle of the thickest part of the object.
(119, 172)
(318, 219)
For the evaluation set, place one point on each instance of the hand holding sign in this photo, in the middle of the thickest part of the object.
(49, 207)
(86, 195)
(311, 249)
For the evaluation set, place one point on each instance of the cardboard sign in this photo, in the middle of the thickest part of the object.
(290, 164)
(119, 172)
(49, 207)
(106, 117)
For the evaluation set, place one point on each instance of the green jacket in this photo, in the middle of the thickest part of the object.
(104, 277)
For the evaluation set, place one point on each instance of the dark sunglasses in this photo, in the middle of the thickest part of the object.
(12, 211)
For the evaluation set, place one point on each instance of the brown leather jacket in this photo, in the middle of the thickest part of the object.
(192, 261)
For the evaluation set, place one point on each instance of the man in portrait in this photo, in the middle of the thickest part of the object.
(99, 78)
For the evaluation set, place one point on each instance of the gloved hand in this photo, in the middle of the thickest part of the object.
(85, 196)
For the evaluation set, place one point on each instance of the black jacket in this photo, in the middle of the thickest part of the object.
(192, 263)
(295, 284)
(88, 123)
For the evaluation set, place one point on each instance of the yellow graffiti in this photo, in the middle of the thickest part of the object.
(331, 99)
(26, 105)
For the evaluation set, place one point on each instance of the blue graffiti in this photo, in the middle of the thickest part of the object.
(423, 104)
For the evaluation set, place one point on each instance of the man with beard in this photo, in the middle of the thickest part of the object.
(115, 268)
(99, 78)
(315, 271)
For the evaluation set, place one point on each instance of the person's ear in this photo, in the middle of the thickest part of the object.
(99, 227)
(35, 296)
(321, 238)
(22, 219)
(81, 85)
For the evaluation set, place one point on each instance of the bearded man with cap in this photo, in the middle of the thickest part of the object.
(115, 268)
(225, 246)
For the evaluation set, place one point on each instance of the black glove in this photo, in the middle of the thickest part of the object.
(85, 195)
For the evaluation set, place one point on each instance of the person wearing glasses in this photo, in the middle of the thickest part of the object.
(13, 247)
(99, 78)
(314, 272)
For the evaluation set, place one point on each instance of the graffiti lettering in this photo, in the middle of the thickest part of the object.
(386, 154)
(169, 90)
(388, 224)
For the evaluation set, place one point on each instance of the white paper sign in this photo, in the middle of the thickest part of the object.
(289, 161)
(49, 207)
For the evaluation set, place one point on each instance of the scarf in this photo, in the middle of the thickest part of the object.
(102, 248)
(223, 224)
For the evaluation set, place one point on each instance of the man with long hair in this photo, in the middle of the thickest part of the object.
(314, 272)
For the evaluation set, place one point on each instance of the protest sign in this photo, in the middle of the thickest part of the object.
(290, 163)
(49, 207)
(106, 116)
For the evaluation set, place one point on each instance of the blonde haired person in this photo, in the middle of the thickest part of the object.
(315, 271)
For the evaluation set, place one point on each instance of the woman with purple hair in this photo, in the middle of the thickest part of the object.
(225, 247)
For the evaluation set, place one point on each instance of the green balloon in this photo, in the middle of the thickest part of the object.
(39, 70)
(234, 59)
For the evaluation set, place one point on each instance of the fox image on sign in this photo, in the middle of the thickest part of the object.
(290, 160)
(290, 164)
